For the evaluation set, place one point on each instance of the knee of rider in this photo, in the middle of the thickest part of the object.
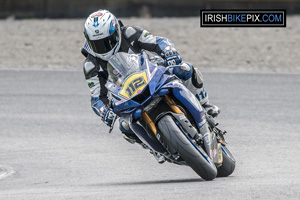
(124, 126)
(197, 78)
(183, 71)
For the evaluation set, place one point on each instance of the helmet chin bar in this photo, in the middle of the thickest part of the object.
(107, 56)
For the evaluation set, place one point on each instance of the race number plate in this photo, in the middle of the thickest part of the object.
(134, 85)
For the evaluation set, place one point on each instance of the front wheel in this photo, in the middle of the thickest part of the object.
(195, 157)
(228, 164)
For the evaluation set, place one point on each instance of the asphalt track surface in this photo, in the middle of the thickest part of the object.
(54, 147)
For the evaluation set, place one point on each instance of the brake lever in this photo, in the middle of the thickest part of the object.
(111, 103)
(113, 123)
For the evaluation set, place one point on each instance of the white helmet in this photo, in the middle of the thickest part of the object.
(103, 34)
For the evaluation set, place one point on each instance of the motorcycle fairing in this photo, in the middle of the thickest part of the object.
(189, 100)
(158, 78)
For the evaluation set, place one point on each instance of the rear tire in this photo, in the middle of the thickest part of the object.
(195, 157)
(228, 164)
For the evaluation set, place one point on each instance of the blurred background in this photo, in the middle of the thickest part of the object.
(48, 34)
(128, 8)
(54, 147)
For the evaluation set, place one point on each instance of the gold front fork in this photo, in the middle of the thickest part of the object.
(173, 107)
(149, 122)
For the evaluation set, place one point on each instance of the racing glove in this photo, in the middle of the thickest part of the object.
(157, 60)
(107, 115)
(171, 56)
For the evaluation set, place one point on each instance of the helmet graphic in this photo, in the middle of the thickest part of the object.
(103, 34)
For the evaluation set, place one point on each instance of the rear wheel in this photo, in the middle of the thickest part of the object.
(195, 157)
(228, 164)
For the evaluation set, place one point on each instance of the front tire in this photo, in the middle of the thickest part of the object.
(195, 157)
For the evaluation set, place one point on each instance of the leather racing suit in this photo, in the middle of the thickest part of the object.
(134, 40)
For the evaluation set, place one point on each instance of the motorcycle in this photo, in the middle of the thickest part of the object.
(166, 116)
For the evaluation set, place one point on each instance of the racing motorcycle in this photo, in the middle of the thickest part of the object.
(166, 116)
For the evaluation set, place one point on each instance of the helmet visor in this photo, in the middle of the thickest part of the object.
(106, 44)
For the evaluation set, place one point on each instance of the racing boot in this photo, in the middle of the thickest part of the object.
(210, 109)
(195, 85)
(159, 157)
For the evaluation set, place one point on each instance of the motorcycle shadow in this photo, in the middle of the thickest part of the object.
(157, 182)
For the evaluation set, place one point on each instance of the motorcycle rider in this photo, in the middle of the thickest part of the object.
(106, 35)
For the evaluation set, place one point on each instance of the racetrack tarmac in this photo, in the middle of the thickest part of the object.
(54, 147)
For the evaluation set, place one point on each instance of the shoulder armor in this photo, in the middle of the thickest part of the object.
(129, 32)
(91, 67)
(88, 66)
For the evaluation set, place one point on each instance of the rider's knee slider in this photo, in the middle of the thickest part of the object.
(197, 78)
(124, 127)
(183, 71)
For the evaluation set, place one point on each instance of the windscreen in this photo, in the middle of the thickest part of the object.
(122, 65)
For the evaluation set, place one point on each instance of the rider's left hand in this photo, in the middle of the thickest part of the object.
(107, 115)
(171, 56)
